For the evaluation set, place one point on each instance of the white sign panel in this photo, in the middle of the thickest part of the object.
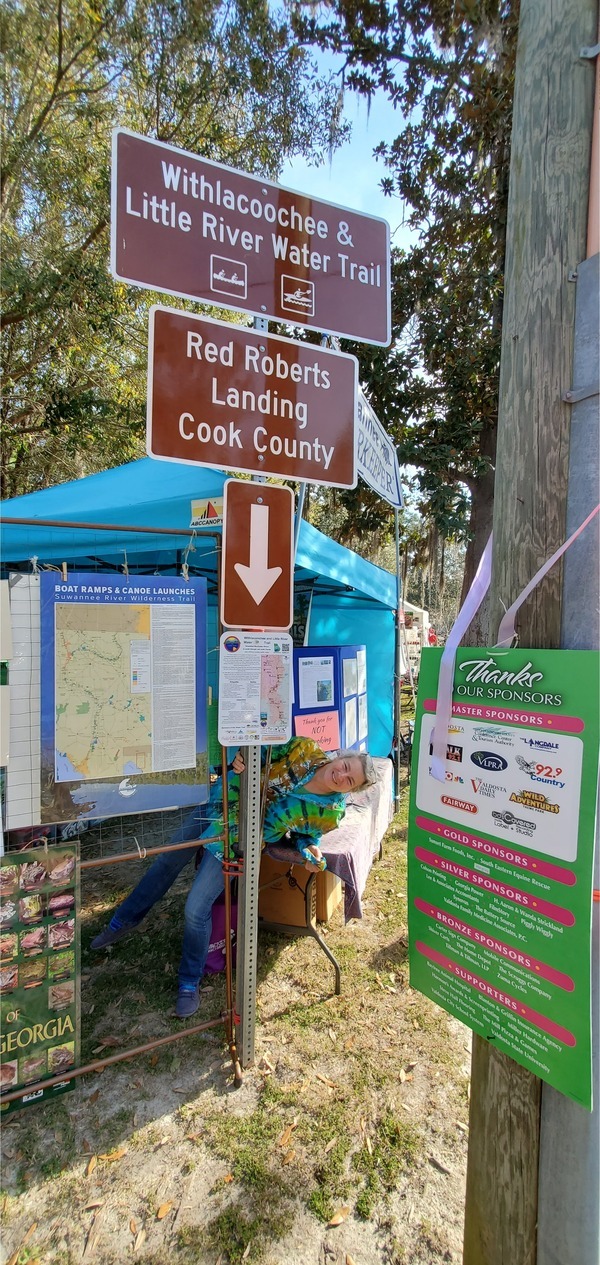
(351, 733)
(5, 628)
(315, 681)
(377, 461)
(501, 781)
(23, 779)
(255, 688)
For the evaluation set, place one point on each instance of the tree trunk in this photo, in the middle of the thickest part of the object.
(553, 111)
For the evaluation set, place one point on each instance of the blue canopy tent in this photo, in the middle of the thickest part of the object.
(353, 601)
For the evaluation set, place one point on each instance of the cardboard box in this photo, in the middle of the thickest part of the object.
(330, 891)
(280, 901)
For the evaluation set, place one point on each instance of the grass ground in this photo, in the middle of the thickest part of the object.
(345, 1143)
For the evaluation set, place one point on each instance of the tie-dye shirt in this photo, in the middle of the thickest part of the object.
(290, 809)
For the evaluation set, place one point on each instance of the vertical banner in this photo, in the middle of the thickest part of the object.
(39, 970)
(501, 855)
(302, 607)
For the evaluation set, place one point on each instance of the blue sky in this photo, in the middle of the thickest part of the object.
(353, 178)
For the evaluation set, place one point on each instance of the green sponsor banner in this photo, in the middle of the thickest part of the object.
(501, 854)
(39, 970)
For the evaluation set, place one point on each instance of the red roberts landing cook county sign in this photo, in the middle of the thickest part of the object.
(197, 229)
(222, 395)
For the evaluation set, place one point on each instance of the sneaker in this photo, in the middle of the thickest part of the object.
(108, 936)
(188, 1001)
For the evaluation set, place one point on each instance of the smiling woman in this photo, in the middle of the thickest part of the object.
(305, 799)
(347, 772)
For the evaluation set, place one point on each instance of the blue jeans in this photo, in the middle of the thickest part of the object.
(207, 886)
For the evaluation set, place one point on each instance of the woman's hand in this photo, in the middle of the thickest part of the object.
(239, 763)
(313, 869)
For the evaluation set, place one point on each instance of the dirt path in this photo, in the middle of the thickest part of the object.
(355, 1112)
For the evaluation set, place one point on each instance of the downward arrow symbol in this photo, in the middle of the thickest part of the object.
(258, 578)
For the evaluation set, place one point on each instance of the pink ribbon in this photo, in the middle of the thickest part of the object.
(469, 608)
(506, 631)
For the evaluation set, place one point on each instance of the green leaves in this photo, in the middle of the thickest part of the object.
(222, 80)
(448, 69)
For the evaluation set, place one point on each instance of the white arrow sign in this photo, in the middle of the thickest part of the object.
(258, 556)
(258, 577)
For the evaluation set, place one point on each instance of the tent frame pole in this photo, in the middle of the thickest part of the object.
(152, 531)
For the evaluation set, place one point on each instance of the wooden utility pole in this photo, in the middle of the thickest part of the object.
(546, 239)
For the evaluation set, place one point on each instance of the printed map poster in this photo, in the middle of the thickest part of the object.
(501, 855)
(255, 688)
(39, 971)
(123, 694)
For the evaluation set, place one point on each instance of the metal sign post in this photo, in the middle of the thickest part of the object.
(247, 935)
(244, 400)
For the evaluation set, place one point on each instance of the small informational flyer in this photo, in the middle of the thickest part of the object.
(501, 854)
(255, 688)
(39, 970)
(350, 676)
(350, 715)
(361, 668)
(315, 681)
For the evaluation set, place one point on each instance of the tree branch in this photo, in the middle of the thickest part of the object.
(25, 311)
(55, 96)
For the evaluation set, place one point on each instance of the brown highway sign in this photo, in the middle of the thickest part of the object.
(239, 399)
(257, 556)
(190, 227)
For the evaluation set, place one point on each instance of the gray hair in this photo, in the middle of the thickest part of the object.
(368, 768)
